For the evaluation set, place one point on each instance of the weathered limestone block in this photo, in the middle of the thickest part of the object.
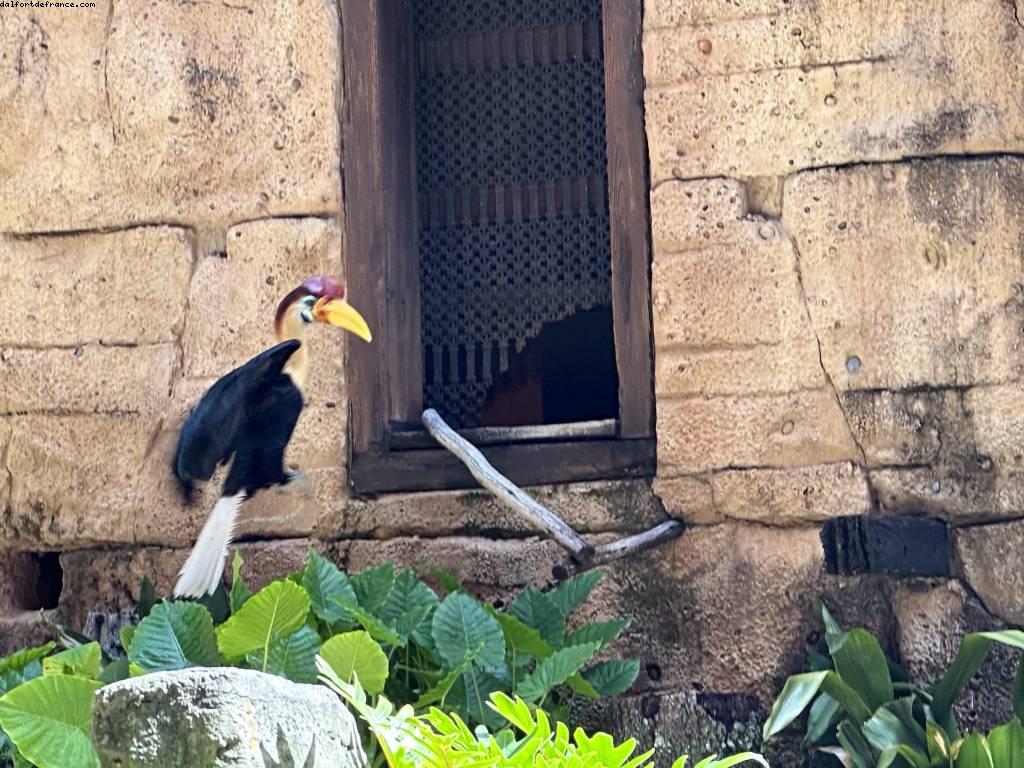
(769, 88)
(912, 272)
(488, 565)
(675, 724)
(802, 428)
(916, 427)
(89, 378)
(73, 480)
(931, 620)
(618, 505)
(728, 608)
(792, 496)
(729, 316)
(688, 498)
(996, 417)
(138, 112)
(964, 496)
(216, 718)
(108, 580)
(990, 558)
(120, 288)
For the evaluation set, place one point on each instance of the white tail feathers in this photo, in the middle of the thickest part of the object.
(202, 571)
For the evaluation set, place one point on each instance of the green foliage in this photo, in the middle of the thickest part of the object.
(864, 713)
(47, 720)
(525, 737)
(385, 628)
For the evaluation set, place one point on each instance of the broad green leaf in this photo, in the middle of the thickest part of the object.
(217, 604)
(555, 670)
(973, 649)
(408, 605)
(48, 720)
(974, 752)
(83, 660)
(603, 632)
(373, 586)
(175, 636)
(125, 635)
(571, 593)
(894, 724)
(800, 690)
(579, 684)
(357, 654)
(239, 589)
(437, 693)
(610, 678)
(524, 639)
(537, 610)
(147, 598)
(18, 661)
(462, 627)
(1018, 692)
(378, 630)
(115, 671)
(1007, 745)
(274, 612)
(913, 757)
(330, 592)
(831, 625)
(729, 762)
(862, 665)
(293, 656)
(857, 748)
(822, 718)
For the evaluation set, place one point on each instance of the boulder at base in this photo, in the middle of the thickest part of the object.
(216, 718)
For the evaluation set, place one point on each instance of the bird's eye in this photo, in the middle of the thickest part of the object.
(309, 301)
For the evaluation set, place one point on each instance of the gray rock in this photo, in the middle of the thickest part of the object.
(221, 718)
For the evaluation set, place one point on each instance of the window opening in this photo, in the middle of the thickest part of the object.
(514, 243)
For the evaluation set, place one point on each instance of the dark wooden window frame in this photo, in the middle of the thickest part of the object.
(381, 252)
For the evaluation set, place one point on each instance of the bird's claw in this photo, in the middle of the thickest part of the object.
(297, 484)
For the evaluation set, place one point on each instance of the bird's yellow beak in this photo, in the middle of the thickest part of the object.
(342, 314)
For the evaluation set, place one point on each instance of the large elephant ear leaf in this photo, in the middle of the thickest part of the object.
(357, 656)
(861, 663)
(571, 593)
(47, 719)
(461, 628)
(274, 612)
(175, 636)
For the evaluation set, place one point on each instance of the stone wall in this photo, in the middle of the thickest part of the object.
(837, 290)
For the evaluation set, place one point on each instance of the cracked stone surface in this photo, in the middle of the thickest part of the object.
(135, 112)
(769, 88)
(221, 718)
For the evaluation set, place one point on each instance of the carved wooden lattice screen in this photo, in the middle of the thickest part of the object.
(512, 185)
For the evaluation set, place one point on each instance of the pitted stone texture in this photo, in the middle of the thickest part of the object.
(88, 379)
(990, 558)
(137, 112)
(22, 629)
(628, 506)
(803, 428)
(728, 312)
(792, 496)
(767, 88)
(109, 580)
(728, 608)
(73, 480)
(688, 498)
(931, 619)
(916, 427)
(119, 288)
(964, 497)
(912, 273)
(487, 565)
(220, 718)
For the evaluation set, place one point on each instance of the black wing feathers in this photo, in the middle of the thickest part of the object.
(210, 434)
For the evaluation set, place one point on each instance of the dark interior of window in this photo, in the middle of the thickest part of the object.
(511, 183)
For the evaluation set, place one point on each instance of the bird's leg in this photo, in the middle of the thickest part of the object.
(296, 483)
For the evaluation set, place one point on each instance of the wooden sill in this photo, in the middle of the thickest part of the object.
(525, 464)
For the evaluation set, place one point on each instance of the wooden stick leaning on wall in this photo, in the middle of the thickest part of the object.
(583, 554)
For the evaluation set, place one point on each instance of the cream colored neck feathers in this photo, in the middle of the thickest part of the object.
(292, 327)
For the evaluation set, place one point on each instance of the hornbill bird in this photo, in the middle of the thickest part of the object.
(247, 417)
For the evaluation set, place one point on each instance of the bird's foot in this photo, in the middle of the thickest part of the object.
(297, 484)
